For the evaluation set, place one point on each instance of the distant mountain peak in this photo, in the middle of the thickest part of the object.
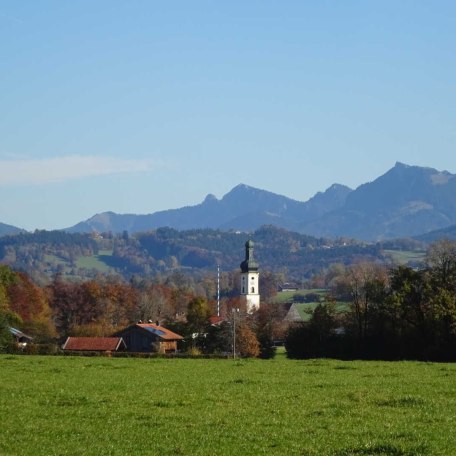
(210, 198)
(242, 188)
(337, 187)
(401, 165)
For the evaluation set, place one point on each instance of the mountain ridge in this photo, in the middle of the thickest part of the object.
(6, 230)
(244, 207)
(405, 201)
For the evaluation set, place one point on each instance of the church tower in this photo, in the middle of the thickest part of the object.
(250, 280)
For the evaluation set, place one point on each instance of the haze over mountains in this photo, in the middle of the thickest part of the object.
(405, 201)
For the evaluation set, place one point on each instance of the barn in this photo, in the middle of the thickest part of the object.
(20, 338)
(149, 337)
(100, 344)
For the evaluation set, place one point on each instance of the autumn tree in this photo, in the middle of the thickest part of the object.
(366, 283)
(28, 301)
(153, 304)
(247, 344)
(118, 304)
(92, 308)
(198, 313)
(269, 326)
(5, 334)
(70, 307)
(317, 337)
(408, 313)
(6, 279)
(269, 284)
(441, 257)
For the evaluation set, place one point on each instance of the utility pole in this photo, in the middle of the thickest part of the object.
(235, 311)
(218, 290)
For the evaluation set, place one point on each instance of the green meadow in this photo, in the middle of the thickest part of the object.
(305, 309)
(95, 261)
(287, 296)
(403, 257)
(125, 406)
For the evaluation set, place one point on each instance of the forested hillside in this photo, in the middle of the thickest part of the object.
(388, 312)
(8, 229)
(82, 256)
(44, 253)
(444, 233)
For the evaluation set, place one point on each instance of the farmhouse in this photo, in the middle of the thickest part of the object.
(101, 344)
(215, 320)
(20, 338)
(293, 314)
(149, 337)
(288, 287)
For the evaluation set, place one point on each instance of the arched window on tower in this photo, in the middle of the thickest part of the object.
(253, 289)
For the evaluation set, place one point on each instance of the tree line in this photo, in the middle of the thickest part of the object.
(43, 254)
(103, 306)
(393, 313)
(396, 313)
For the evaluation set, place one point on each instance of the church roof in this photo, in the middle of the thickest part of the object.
(249, 264)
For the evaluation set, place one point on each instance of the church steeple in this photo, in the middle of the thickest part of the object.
(249, 264)
(250, 279)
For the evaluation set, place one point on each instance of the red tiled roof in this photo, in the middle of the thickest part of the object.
(160, 331)
(94, 343)
(216, 320)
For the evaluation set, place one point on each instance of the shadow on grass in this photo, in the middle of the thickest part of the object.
(385, 449)
(407, 401)
(344, 367)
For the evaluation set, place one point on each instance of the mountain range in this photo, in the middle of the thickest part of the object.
(406, 201)
(243, 208)
(9, 229)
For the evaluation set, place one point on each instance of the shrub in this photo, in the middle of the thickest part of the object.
(42, 349)
(194, 351)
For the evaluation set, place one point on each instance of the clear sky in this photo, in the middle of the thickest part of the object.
(138, 106)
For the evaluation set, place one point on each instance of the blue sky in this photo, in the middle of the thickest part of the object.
(138, 106)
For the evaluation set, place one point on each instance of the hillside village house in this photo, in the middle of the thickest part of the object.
(149, 337)
(288, 287)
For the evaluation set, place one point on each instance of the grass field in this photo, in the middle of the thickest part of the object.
(86, 262)
(94, 262)
(304, 309)
(404, 257)
(287, 296)
(114, 406)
